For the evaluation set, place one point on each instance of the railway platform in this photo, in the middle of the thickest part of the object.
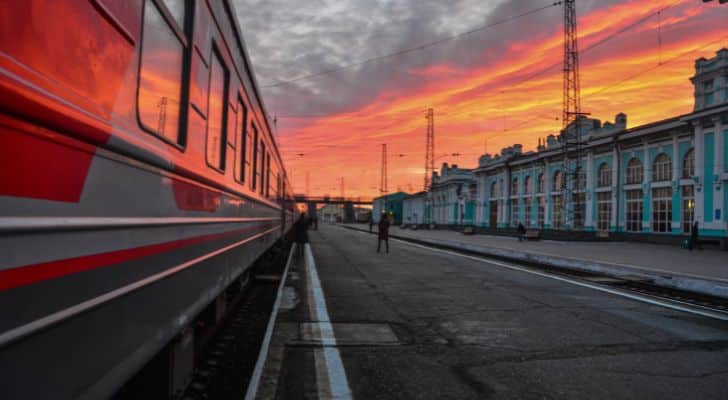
(426, 323)
(701, 271)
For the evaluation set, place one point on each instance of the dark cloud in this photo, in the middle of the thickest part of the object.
(292, 38)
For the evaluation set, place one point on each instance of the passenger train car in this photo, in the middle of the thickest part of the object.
(139, 176)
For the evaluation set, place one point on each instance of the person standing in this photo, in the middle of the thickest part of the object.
(300, 234)
(521, 230)
(383, 232)
(694, 239)
(371, 223)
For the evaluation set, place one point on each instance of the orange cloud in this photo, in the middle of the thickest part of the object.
(490, 105)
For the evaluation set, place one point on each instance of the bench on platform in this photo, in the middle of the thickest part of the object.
(532, 234)
(469, 230)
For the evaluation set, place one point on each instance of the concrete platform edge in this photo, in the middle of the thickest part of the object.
(705, 286)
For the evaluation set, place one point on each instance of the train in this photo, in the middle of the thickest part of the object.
(139, 177)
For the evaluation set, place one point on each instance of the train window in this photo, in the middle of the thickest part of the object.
(216, 113)
(267, 176)
(254, 170)
(160, 76)
(278, 187)
(249, 156)
(262, 167)
(243, 160)
(177, 9)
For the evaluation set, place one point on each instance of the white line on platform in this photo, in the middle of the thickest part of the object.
(263, 354)
(330, 374)
(661, 303)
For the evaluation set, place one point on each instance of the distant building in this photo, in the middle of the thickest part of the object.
(331, 213)
(452, 198)
(391, 203)
(413, 208)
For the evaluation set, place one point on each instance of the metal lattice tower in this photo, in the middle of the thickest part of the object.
(572, 98)
(430, 149)
(571, 135)
(383, 177)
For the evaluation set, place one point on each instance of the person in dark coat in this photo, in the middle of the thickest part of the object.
(383, 232)
(694, 239)
(371, 223)
(521, 230)
(300, 233)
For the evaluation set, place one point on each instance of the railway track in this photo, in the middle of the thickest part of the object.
(227, 352)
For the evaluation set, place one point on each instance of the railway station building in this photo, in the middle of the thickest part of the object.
(413, 209)
(391, 204)
(452, 197)
(651, 181)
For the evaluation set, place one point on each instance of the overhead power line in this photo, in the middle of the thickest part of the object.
(654, 67)
(519, 82)
(592, 46)
(412, 49)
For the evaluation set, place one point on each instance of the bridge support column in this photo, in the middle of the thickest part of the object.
(311, 207)
(349, 214)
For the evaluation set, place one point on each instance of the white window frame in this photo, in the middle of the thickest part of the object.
(662, 168)
(662, 210)
(688, 164)
(635, 171)
(633, 207)
(604, 210)
(605, 175)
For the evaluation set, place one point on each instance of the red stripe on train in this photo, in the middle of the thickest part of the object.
(28, 274)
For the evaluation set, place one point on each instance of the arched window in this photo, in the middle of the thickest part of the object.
(558, 182)
(688, 164)
(514, 187)
(541, 183)
(605, 175)
(634, 171)
(579, 179)
(662, 168)
(527, 189)
(494, 189)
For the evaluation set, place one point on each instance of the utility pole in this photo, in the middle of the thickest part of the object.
(342, 187)
(571, 141)
(430, 149)
(383, 177)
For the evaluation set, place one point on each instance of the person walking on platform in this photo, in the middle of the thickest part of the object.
(300, 233)
(371, 223)
(383, 232)
(521, 231)
(694, 239)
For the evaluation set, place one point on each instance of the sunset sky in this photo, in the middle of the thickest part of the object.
(489, 89)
